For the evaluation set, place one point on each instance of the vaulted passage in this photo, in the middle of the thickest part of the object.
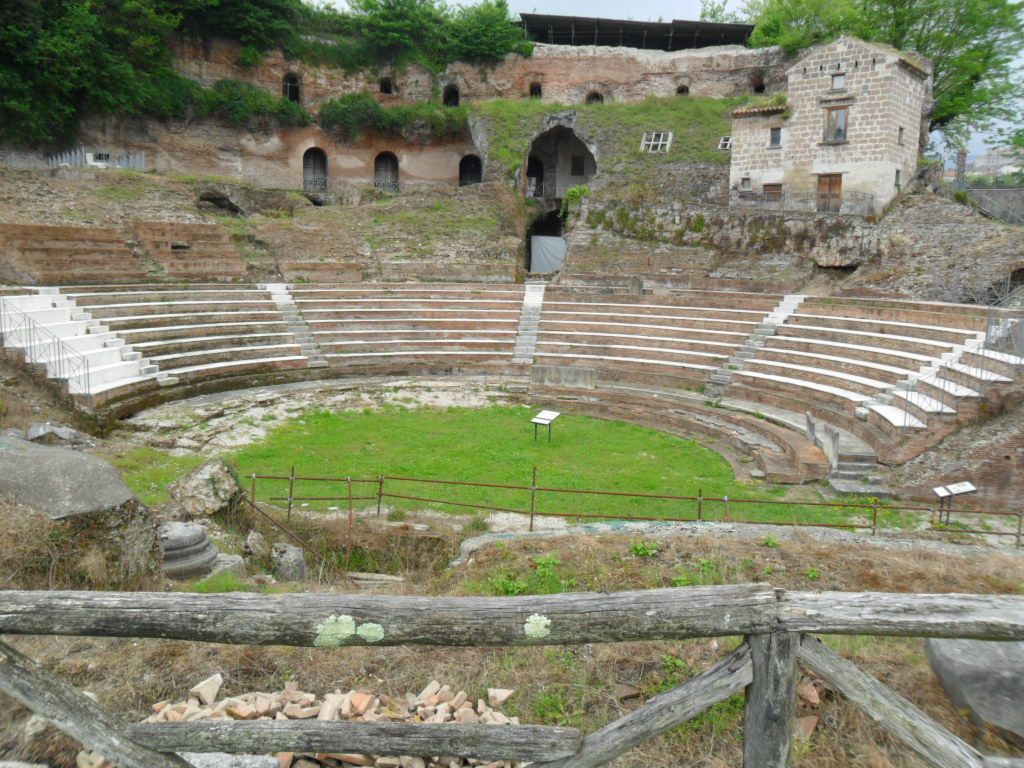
(558, 160)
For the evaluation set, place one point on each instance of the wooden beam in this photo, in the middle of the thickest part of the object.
(485, 742)
(985, 617)
(668, 710)
(771, 700)
(74, 713)
(331, 621)
(929, 740)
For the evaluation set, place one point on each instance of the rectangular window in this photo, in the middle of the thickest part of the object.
(745, 182)
(835, 124)
(725, 143)
(656, 141)
(838, 82)
(897, 178)
(900, 135)
(775, 137)
(772, 192)
(577, 166)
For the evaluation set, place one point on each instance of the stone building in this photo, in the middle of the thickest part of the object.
(844, 140)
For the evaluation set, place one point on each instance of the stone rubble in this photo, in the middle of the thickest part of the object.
(436, 703)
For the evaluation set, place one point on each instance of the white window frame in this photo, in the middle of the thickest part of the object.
(725, 143)
(838, 75)
(656, 142)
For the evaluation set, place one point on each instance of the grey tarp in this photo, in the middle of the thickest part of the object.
(546, 254)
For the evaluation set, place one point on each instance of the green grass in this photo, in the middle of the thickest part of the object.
(148, 472)
(495, 445)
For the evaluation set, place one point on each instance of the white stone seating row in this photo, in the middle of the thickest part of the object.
(885, 327)
(953, 315)
(378, 325)
(652, 310)
(896, 417)
(107, 358)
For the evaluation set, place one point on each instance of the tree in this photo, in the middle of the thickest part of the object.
(972, 45)
(485, 32)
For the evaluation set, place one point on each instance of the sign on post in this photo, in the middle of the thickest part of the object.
(544, 419)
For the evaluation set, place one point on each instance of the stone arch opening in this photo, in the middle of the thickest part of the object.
(471, 170)
(558, 159)
(757, 82)
(545, 246)
(387, 86)
(683, 90)
(291, 88)
(595, 98)
(536, 90)
(314, 170)
(451, 96)
(385, 172)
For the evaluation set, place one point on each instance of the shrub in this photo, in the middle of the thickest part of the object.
(350, 115)
(239, 102)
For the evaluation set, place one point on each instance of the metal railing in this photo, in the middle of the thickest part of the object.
(63, 362)
(527, 500)
(852, 203)
(90, 157)
(992, 202)
(542, 190)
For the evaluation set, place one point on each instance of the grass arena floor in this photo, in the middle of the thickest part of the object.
(496, 444)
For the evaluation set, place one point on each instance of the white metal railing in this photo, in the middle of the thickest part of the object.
(63, 362)
(88, 157)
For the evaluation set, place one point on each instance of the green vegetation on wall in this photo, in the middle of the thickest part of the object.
(697, 124)
(346, 117)
(61, 60)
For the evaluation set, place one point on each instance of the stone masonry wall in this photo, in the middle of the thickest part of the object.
(567, 74)
(700, 235)
(883, 93)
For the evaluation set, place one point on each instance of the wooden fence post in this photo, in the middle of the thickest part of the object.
(74, 713)
(771, 700)
(348, 536)
(291, 492)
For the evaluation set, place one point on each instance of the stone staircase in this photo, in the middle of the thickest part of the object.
(529, 320)
(297, 324)
(722, 377)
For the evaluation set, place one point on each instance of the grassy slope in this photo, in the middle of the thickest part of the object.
(697, 123)
(494, 445)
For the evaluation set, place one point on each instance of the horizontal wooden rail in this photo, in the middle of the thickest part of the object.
(483, 742)
(328, 620)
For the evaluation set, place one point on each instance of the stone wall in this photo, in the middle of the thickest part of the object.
(272, 157)
(566, 74)
(888, 98)
(701, 237)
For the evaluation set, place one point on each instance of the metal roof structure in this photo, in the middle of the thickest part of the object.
(652, 35)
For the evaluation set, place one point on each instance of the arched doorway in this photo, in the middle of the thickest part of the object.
(451, 96)
(558, 160)
(387, 86)
(290, 88)
(385, 172)
(757, 83)
(471, 170)
(536, 90)
(534, 177)
(314, 170)
(595, 98)
(683, 90)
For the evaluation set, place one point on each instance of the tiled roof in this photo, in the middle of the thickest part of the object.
(762, 109)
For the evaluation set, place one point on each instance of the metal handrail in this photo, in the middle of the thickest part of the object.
(63, 362)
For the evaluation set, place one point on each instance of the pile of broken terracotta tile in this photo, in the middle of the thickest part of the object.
(436, 703)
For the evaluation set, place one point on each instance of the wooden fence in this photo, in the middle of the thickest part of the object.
(777, 626)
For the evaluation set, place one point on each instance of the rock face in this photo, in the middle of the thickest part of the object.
(984, 678)
(289, 561)
(187, 550)
(209, 490)
(112, 536)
